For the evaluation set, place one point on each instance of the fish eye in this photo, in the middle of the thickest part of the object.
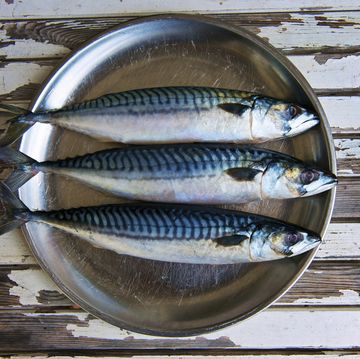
(294, 111)
(293, 238)
(308, 176)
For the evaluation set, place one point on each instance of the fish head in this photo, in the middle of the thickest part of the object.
(276, 241)
(276, 119)
(291, 179)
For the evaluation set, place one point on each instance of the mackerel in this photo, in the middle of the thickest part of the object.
(170, 115)
(192, 173)
(170, 233)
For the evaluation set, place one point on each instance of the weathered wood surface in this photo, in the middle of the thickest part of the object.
(319, 316)
(271, 329)
(56, 8)
(328, 32)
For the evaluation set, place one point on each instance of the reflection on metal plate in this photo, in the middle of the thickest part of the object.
(158, 297)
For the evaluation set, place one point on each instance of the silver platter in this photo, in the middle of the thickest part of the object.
(146, 296)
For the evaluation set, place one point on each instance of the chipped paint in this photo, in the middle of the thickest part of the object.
(342, 112)
(335, 73)
(14, 249)
(347, 148)
(102, 330)
(60, 8)
(29, 284)
(345, 296)
(16, 75)
(303, 31)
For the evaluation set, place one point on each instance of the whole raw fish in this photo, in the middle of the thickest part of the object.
(192, 173)
(172, 114)
(181, 234)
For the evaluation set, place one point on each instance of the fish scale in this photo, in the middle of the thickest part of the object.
(179, 95)
(149, 220)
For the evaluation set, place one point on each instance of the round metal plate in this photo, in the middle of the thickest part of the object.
(157, 297)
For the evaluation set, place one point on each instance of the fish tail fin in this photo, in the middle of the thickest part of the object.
(21, 164)
(13, 212)
(11, 129)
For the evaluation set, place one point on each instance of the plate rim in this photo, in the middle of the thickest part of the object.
(282, 59)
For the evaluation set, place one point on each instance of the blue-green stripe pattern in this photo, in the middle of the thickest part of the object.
(153, 221)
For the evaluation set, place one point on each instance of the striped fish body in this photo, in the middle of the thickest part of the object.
(173, 173)
(184, 234)
(171, 233)
(175, 114)
(158, 233)
(157, 116)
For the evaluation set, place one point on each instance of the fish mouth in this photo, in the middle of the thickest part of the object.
(311, 242)
(311, 190)
(302, 124)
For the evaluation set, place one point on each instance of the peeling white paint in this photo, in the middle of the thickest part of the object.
(102, 330)
(269, 329)
(342, 112)
(335, 73)
(29, 283)
(303, 30)
(29, 48)
(61, 8)
(347, 148)
(16, 74)
(344, 298)
(14, 249)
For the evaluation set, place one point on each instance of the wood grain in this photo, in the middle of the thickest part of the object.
(271, 329)
(56, 8)
(325, 31)
(323, 284)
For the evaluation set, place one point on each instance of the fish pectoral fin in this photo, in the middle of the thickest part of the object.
(234, 108)
(242, 173)
(233, 240)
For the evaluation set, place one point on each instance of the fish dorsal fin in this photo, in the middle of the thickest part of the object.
(242, 173)
(233, 240)
(234, 108)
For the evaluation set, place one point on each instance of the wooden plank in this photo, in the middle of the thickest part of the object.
(291, 32)
(348, 154)
(324, 284)
(20, 79)
(291, 355)
(342, 113)
(347, 203)
(56, 8)
(271, 329)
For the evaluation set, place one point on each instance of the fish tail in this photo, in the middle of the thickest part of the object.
(13, 212)
(11, 129)
(21, 165)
